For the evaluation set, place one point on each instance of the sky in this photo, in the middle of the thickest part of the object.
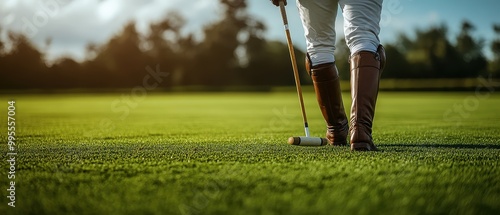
(72, 24)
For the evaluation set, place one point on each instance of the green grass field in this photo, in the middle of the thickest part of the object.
(226, 153)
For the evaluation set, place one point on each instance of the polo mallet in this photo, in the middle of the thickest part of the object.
(307, 140)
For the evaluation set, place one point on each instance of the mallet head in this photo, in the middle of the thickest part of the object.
(307, 141)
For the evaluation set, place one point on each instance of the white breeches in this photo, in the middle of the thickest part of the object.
(361, 26)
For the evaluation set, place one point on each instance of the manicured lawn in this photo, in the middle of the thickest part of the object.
(226, 153)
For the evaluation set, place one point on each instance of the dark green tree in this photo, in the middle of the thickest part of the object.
(270, 65)
(23, 66)
(267, 63)
(397, 65)
(433, 54)
(342, 54)
(120, 62)
(495, 49)
(2, 45)
(164, 46)
(470, 50)
(214, 62)
(68, 74)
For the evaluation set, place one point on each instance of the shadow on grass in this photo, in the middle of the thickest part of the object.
(451, 146)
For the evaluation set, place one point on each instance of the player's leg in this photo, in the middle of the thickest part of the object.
(361, 28)
(318, 19)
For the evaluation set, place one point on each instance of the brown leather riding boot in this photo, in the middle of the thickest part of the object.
(366, 68)
(327, 87)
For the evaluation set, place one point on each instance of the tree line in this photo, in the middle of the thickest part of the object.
(232, 52)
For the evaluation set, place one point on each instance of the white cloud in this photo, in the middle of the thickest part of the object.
(108, 10)
(72, 24)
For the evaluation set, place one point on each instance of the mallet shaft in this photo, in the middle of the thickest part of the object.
(294, 67)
